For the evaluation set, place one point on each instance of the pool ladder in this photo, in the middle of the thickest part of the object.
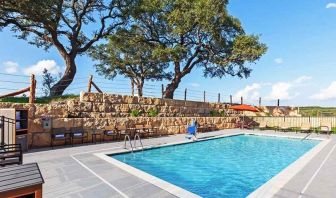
(306, 136)
(128, 139)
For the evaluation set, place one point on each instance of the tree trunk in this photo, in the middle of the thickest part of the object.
(66, 79)
(140, 88)
(170, 88)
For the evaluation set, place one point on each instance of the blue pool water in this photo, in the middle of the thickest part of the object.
(225, 167)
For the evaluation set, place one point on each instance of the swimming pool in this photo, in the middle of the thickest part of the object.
(231, 166)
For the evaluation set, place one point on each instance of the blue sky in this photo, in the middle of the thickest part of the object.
(298, 68)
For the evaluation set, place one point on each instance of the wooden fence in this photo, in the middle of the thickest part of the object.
(296, 121)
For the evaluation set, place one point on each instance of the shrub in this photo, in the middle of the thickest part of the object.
(153, 112)
(213, 113)
(136, 113)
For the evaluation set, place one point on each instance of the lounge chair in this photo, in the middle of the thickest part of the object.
(77, 133)
(58, 134)
(305, 127)
(272, 126)
(325, 127)
(110, 131)
(262, 125)
(284, 126)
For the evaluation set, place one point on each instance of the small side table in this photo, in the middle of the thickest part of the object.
(94, 137)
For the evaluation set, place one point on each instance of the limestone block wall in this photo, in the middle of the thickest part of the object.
(95, 111)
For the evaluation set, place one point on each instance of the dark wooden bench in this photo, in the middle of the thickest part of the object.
(10, 154)
(21, 181)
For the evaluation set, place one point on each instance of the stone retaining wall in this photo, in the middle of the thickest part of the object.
(96, 110)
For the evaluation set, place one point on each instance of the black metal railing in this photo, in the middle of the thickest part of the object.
(7, 128)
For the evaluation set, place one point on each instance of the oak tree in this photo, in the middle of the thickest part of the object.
(127, 56)
(71, 26)
(198, 33)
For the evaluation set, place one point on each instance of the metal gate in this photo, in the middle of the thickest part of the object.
(7, 129)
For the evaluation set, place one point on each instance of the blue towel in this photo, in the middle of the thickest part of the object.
(191, 130)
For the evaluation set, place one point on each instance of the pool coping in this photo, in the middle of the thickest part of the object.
(270, 188)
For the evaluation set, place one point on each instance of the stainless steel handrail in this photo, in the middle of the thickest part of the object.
(137, 137)
(129, 140)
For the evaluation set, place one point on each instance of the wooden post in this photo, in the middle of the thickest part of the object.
(259, 101)
(162, 90)
(218, 97)
(204, 96)
(241, 100)
(95, 86)
(278, 103)
(185, 94)
(32, 89)
(231, 99)
(90, 83)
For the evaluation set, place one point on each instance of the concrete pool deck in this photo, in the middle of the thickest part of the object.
(78, 172)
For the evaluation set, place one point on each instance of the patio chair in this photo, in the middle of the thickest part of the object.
(202, 128)
(212, 127)
(140, 129)
(305, 127)
(151, 130)
(325, 127)
(77, 133)
(110, 131)
(122, 130)
(262, 125)
(270, 125)
(10, 154)
(58, 134)
(284, 126)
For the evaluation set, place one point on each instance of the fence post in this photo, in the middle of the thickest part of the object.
(259, 101)
(162, 90)
(231, 99)
(32, 89)
(204, 96)
(241, 100)
(218, 97)
(90, 83)
(185, 94)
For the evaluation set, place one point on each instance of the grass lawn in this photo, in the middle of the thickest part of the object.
(318, 111)
(40, 100)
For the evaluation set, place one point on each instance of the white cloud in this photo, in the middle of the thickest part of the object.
(11, 67)
(280, 90)
(250, 92)
(302, 79)
(38, 68)
(278, 60)
(287, 90)
(194, 84)
(327, 93)
(331, 5)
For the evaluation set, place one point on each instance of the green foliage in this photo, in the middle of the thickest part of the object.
(317, 111)
(136, 112)
(127, 56)
(72, 27)
(47, 82)
(41, 100)
(199, 33)
(153, 112)
(214, 113)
